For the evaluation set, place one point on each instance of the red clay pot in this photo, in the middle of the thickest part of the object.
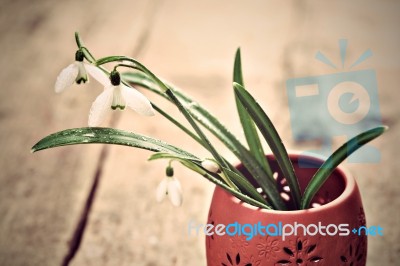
(338, 201)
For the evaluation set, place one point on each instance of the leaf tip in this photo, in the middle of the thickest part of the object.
(237, 85)
(238, 52)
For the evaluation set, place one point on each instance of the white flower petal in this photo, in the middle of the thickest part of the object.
(101, 107)
(137, 101)
(66, 77)
(118, 99)
(97, 74)
(210, 166)
(174, 192)
(82, 73)
(161, 191)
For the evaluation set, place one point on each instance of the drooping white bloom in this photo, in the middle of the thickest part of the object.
(170, 187)
(78, 72)
(117, 96)
(75, 72)
(211, 166)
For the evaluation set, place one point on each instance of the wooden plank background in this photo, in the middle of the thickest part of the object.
(191, 43)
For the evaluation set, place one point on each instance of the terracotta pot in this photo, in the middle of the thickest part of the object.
(338, 202)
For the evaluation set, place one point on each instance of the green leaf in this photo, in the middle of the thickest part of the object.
(165, 155)
(335, 159)
(237, 69)
(200, 133)
(245, 186)
(255, 200)
(194, 108)
(171, 95)
(220, 131)
(270, 134)
(248, 125)
(249, 161)
(108, 136)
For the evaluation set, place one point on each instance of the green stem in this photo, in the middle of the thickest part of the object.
(207, 143)
(190, 133)
(179, 125)
(92, 59)
(216, 181)
(175, 100)
(202, 140)
(78, 40)
(214, 126)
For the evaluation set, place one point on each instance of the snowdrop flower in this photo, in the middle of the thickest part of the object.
(170, 187)
(117, 96)
(210, 165)
(78, 72)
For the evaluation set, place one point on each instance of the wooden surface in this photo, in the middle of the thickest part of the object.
(191, 43)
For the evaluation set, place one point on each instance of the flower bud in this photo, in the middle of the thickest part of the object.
(211, 166)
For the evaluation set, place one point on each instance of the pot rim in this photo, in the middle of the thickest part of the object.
(349, 187)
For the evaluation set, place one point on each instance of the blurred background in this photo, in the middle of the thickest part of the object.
(95, 205)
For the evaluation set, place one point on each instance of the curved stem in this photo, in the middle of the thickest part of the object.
(201, 138)
(211, 123)
(92, 59)
(78, 40)
(207, 143)
(175, 100)
(179, 125)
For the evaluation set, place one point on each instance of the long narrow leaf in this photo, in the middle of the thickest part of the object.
(248, 126)
(200, 133)
(133, 63)
(215, 127)
(245, 186)
(238, 194)
(272, 137)
(108, 136)
(265, 181)
(335, 159)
